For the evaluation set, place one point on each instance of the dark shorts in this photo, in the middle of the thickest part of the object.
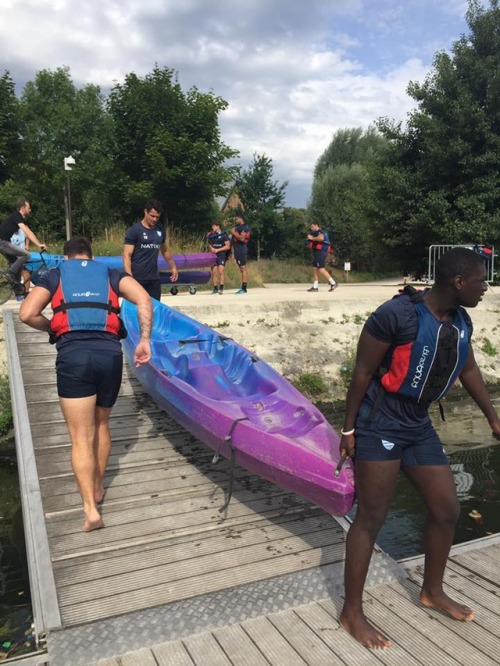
(153, 287)
(240, 254)
(384, 439)
(319, 259)
(81, 374)
(220, 258)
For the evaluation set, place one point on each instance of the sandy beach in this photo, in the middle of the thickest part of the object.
(297, 332)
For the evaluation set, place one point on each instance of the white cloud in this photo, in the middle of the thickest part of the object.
(292, 72)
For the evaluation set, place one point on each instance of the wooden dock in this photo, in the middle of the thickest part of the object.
(172, 579)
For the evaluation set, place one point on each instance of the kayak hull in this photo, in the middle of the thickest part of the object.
(239, 406)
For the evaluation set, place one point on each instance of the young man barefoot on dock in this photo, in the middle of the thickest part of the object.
(87, 331)
(411, 351)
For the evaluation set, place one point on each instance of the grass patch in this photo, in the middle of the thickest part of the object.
(6, 423)
(488, 348)
(311, 385)
(347, 368)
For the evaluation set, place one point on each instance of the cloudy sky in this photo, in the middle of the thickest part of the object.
(292, 71)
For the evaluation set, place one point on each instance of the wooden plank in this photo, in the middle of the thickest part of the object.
(271, 643)
(142, 657)
(172, 653)
(178, 565)
(325, 624)
(230, 541)
(486, 609)
(305, 642)
(204, 649)
(238, 646)
(443, 642)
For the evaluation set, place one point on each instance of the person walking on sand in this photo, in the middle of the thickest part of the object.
(319, 243)
(240, 235)
(410, 352)
(87, 329)
(144, 241)
(219, 243)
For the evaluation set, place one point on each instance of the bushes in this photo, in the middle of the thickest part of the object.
(5, 406)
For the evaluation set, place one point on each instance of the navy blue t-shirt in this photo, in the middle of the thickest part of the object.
(84, 340)
(396, 322)
(147, 243)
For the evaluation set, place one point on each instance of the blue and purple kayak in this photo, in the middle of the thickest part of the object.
(237, 404)
(183, 262)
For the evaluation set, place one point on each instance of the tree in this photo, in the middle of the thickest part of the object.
(263, 199)
(167, 145)
(58, 120)
(341, 192)
(9, 127)
(440, 183)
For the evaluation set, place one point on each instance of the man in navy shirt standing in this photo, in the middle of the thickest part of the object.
(219, 243)
(412, 349)
(240, 235)
(144, 241)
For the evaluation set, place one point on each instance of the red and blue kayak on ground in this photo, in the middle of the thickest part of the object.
(241, 407)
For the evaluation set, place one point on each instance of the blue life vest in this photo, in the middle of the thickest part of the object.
(427, 368)
(84, 299)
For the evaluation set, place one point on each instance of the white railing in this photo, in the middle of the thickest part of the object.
(436, 251)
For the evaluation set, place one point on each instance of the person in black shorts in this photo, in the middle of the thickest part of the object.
(144, 241)
(240, 235)
(412, 349)
(87, 328)
(318, 242)
(219, 243)
(16, 255)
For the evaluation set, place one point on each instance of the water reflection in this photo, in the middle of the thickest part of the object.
(475, 461)
(16, 636)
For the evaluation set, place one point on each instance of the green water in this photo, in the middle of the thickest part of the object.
(475, 460)
(15, 606)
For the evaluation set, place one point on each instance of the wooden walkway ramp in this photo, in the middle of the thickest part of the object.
(259, 583)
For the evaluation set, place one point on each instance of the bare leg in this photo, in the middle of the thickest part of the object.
(325, 274)
(244, 273)
(315, 274)
(79, 414)
(436, 486)
(375, 483)
(214, 276)
(221, 275)
(102, 448)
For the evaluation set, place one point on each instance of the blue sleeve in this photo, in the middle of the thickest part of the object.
(395, 322)
(131, 235)
(49, 280)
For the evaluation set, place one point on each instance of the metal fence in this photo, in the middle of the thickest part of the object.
(436, 251)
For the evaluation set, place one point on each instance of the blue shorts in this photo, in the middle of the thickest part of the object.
(220, 258)
(384, 439)
(240, 252)
(81, 374)
(153, 287)
(319, 259)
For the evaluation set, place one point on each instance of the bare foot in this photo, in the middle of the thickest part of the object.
(444, 603)
(99, 496)
(92, 523)
(358, 626)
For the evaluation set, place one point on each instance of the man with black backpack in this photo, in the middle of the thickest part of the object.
(319, 242)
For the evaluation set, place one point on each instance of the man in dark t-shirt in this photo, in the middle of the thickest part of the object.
(240, 235)
(411, 351)
(17, 256)
(143, 243)
(219, 243)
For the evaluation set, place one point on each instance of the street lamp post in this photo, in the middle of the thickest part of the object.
(69, 163)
